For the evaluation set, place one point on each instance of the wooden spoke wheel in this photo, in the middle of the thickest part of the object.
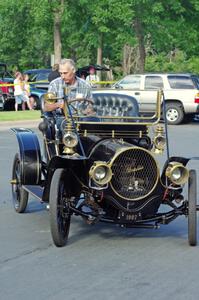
(60, 215)
(192, 212)
(19, 195)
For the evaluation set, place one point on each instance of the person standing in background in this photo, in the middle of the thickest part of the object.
(92, 77)
(55, 73)
(26, 89)
(18, 91)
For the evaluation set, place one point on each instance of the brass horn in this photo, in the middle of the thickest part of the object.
(50, 98)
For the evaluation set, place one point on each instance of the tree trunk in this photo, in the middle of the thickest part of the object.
(57, 37)
(130, 59)
(58, 11)
(140, 37)
(127, 59)
(100, 53)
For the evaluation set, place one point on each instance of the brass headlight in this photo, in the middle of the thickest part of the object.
(70, 139)
(100, 173)
(177, 173)
(159, 140)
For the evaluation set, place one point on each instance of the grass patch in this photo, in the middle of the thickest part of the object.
(19, 115)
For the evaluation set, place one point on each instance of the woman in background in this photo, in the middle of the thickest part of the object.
(18, 91)
(26, 89)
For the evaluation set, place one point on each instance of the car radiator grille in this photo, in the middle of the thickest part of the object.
(135, 173)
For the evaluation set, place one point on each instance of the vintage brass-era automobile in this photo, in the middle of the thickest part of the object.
(103, 167)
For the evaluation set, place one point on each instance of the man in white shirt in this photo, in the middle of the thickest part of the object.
(92, 77)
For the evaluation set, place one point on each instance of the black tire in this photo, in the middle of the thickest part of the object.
(59, 212)
(19, 195)
(174, 113)
(189, 118)
(36, 103)
(192, 212)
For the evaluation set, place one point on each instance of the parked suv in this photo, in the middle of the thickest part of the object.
(181, 93)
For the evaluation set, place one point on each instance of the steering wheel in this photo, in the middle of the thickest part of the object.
(70, 102)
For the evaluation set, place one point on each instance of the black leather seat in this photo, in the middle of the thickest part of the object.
(112, 104)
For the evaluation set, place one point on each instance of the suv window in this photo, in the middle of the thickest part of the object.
(196, 81)
(131, 82)
(153, 82)
(180, 82)
(42, 76)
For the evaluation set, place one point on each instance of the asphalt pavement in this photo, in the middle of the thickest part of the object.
(101, 261)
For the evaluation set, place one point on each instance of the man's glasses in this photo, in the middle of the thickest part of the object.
(63, 73)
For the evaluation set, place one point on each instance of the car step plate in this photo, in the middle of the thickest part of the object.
(35, 190)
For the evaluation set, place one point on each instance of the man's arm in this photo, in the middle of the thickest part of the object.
(52, 106)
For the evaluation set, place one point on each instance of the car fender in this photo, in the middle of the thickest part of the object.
(30, 156)
(76, 165)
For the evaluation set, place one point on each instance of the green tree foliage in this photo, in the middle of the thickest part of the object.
(162, 35)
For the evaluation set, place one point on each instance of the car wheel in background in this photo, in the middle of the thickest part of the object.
(36, 103)
(174, 113)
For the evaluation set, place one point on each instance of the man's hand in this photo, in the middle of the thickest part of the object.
(59, 105)
(53, 106)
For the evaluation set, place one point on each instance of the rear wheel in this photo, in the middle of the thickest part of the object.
(19, 195)
(192, 212)
(174, 113)
(60, 215)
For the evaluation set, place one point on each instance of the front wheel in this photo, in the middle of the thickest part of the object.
(59, 209)
(192, 212)
(19, 195)
(174, 113)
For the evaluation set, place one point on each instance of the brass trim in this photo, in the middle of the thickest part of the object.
(156, 116)
(68, 150)
(13, 181)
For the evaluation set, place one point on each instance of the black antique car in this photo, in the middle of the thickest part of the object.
(103, 168)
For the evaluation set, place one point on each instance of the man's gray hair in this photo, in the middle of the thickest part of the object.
(67, 61)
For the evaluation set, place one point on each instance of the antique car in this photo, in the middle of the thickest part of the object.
(104, 168)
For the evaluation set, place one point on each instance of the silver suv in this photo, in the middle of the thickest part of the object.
(181, 93)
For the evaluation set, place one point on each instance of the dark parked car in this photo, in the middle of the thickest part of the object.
(84, 71)
(103, 168)
(39, 78)
(6, 81)
(1, 100)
